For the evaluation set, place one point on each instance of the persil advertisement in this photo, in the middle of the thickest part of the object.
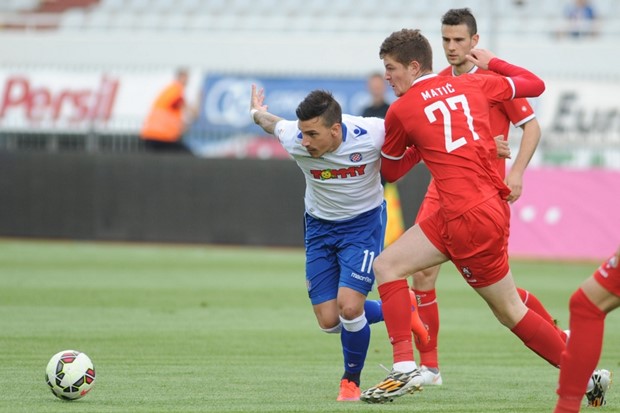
(76, 101)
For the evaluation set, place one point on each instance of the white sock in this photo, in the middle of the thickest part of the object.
(405, 366)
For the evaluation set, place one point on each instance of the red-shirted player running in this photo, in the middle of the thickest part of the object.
(447, 120)
(459, 32)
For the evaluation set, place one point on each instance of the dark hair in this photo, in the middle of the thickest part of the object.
(454, 17)
(406, 46)
(320, 103)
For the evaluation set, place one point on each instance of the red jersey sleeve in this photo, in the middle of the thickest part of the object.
(526, 83)
(519, 111)
(392, 170)
(396, 141)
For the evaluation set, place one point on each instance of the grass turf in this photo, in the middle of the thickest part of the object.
(213, 329)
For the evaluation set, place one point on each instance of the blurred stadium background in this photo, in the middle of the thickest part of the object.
(77, 78)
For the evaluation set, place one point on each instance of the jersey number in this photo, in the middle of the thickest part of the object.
(369, 257)
(444, 108)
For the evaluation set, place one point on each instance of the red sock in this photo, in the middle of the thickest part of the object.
(429, 314)
(540, 337)
(582, 352)
(396, 304)
(533, 303)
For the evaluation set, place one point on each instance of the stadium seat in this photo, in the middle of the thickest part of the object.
(73, 20)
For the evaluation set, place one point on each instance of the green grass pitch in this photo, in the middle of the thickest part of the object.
(216, 329)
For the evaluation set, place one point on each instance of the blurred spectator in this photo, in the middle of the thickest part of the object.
(168, 117)
(376, 88)
(581, 19)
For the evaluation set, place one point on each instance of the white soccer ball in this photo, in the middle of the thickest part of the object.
(70, 374)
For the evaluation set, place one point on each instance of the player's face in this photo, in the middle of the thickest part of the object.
(399, 76)
(457, 43)
(319, 139)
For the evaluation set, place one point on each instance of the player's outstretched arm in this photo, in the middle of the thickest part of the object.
(526, 83)
(258, 111)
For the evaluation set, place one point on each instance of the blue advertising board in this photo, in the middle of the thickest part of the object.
(225, 99)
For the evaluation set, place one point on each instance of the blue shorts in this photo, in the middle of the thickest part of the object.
(341, 253)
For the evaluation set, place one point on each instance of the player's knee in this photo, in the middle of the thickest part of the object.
(509, 315)
(582, 306)
(381, 268)
(350, 312)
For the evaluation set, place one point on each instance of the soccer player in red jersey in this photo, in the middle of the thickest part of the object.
(447, 120)
(459, 32)
(589, 305)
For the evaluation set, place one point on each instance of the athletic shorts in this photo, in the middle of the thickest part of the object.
(430, 203)
(476, 242)
(341, 253)
(608, 275)
(428, 207)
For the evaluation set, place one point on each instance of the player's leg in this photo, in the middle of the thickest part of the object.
(355, 340)
(391, 270)
(361, 240)
(322, 280)
(531, 328)
(423, 286)
(533, 303)
(478, 243)
(588, 306)
(424, 289)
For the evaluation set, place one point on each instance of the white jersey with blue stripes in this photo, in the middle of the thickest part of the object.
(345, 183)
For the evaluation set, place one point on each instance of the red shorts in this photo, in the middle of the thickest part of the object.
(476, 242)
(428, 207)
(430, 203)
(608, 275)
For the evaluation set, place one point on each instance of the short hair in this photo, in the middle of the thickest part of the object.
(320, 103)
(408, 45)
(455, 17)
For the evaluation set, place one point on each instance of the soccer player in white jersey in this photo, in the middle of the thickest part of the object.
(345, 215)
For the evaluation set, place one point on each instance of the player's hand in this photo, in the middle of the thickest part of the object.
(503, 149)
(514, 181)
(480, 57)
(257, 99)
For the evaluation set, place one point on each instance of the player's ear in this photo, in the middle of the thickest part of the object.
(474, 39)
(335, 129)
(414, 66)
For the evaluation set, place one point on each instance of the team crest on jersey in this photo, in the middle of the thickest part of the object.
(355, 157)
(466, 271)
(608, 266)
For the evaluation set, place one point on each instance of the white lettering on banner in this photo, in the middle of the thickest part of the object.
(39, 103)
